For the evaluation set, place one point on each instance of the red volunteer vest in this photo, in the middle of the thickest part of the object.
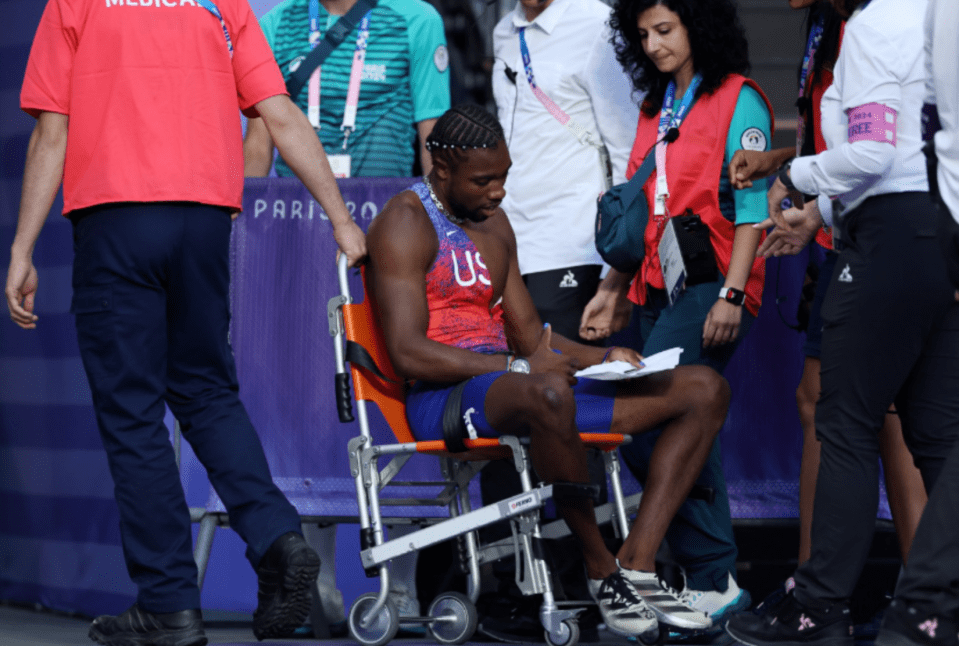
(694, 162)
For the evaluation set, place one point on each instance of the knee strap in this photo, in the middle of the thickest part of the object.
(569, 491)
(454, 426)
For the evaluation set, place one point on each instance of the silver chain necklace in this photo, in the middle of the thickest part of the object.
(439, 205)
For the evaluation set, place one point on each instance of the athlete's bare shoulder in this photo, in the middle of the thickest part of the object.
(402, 228)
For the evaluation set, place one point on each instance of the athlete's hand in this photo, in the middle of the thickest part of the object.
(21, 290)
(749, 165)
(352, 241)
(722, 324)
(626, 354)
(544, 359)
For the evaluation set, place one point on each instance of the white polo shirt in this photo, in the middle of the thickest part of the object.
(942, 89)
(881, 61)
(555, 180)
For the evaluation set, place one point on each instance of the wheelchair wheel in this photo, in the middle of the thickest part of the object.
(456, 618)
(568, 634)
(660, 639)
(381, 629)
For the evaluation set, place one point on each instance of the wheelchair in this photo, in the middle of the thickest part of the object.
(452, 617)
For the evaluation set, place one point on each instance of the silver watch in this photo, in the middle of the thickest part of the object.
(519, 364)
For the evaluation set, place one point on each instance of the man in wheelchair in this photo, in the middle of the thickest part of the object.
(458, 320)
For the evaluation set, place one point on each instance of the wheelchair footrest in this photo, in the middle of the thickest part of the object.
(456, 526)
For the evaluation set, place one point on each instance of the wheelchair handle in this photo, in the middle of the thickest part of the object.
(344, 401)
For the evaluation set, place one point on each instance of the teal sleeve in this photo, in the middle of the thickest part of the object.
(750, 129)
(429, 62)
(269, 24)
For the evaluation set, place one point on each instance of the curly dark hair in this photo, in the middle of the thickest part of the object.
(716, 37)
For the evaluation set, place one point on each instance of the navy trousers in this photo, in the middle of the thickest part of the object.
(700, 536)
(150, 296)
(891, 335)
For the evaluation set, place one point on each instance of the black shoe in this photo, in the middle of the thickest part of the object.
(137, 627)
(793, 624)
(509, 619)
(909, 626)
(774, 599)
(285, 575)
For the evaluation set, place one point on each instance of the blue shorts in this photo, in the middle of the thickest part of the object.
(426, 402)
(813, 344)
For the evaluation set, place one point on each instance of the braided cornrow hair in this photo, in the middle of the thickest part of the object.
(464, 127)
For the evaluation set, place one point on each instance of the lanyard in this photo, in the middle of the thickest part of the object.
(356, 74)
(559, 114)
(668, 119)
(812, 44)
(212, 8)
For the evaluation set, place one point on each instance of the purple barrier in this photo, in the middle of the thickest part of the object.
(283, 273)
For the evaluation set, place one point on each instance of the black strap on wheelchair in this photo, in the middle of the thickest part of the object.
(569, 491)
(454, 426)
(360, 356)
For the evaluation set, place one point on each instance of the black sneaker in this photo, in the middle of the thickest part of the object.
(285, 574)
(909, 626)
(137, 627)
(793, 624)
(774, 599)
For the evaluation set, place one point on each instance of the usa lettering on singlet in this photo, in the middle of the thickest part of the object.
(459, 293)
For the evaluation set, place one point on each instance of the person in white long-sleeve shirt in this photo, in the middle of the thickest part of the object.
(942, 110)
(926, 604)
(891, 323)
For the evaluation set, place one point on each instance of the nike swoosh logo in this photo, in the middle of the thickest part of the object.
(449, 233)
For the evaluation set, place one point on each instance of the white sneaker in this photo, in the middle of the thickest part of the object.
(405, 603)
(623, 611)
(665, 602)
(718, 605)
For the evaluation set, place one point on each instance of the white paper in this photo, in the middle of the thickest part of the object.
(616, 370)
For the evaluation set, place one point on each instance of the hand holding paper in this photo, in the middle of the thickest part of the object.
(616, 370)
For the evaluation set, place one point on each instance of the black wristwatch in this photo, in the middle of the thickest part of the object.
(785, 178)
(733, 295)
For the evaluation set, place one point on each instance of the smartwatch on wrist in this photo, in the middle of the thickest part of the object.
(732, 295)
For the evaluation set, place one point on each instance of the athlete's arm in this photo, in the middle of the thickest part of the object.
(527, 335)
(403, 245)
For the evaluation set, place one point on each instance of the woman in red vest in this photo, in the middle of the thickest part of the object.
(687, 58)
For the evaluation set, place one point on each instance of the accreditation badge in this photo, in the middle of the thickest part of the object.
(340, 165)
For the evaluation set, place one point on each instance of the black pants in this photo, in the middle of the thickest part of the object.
(150, 295)
(561, 295)
(890, 335)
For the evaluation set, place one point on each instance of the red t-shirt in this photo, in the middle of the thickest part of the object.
(152, 95)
